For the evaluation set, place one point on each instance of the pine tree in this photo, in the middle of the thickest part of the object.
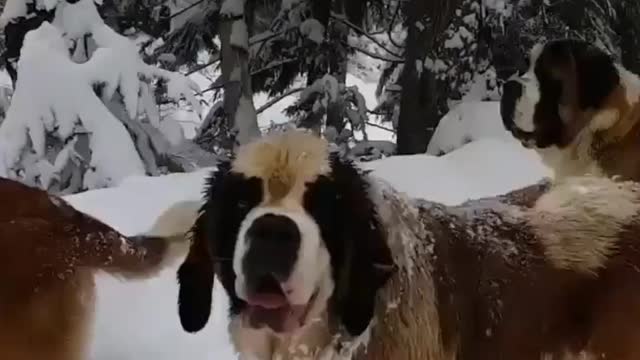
(83, 114)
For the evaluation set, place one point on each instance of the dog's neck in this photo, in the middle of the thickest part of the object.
(609, 140)
(614, 134)
(407, 321)
(412, 286)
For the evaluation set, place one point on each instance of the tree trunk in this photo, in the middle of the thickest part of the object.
(426, 20)
(335, 109)
(629, 31)
(239, 110)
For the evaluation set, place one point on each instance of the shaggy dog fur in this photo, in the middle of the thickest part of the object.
(578, 109)
(323, 261)
(48, 254)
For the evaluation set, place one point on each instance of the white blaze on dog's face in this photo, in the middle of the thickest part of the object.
(567, 84)
(292, 234)
(529, 94)
(282, 266)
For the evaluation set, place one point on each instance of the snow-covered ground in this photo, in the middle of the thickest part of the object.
(139, 321)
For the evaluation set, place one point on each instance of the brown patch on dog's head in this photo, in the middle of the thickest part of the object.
(573, 105)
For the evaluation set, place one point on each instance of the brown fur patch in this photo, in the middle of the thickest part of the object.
(482, 288)
(580, 220)
(48, 253)
(547, 272)
(607, 141)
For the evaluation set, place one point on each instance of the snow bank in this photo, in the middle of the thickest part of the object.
(138, 320)
(482, 168)
(468, 121)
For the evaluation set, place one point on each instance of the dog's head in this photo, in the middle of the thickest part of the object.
(568, 83)
(291, 232)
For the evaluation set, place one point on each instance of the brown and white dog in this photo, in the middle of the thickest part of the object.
(578, 108)
(321, 260)
(48, 254)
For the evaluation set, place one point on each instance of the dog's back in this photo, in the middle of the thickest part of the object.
(48, 254)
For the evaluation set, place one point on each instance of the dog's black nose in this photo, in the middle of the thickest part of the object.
(511, 92)
(273, 242)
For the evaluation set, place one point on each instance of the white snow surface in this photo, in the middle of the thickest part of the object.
(12, 9)
(232, 7)
(239, 35)
(313, 30)
(18, 8)
(138, 320)
(466, 122)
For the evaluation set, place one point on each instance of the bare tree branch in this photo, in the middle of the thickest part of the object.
(185, 9)
(367, 35)
(256, 39)
(268, 67)
(277, 99)
(380, 127)
(374, 55)
(390, 28)
(204, 66)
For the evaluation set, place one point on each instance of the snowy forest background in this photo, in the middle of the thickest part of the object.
(94, 91)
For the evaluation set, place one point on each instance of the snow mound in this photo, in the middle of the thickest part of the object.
(482, 168)
(468, 121)
(138, 320)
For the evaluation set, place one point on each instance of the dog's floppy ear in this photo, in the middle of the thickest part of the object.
(588, 74)
(196, 274)
(367, 262)
(195, 277)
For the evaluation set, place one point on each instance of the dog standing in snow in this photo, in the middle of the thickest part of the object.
(321, 260)
(578, 109)
(48, 254)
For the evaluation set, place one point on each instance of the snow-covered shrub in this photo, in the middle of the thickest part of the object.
(81, 91)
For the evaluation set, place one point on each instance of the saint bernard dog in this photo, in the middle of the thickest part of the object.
(49, 252)
(321, 260)
(578, 108)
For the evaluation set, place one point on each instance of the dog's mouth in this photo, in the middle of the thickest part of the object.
(275, 311)
(526, 138)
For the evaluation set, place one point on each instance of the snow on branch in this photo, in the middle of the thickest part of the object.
(361, 31)
(58, 95)
(53, 95)
(117, 63)
(376, 56)
(14, 9)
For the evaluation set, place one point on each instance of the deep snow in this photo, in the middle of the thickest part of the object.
(138, 320)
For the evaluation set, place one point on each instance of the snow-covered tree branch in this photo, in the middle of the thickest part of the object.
(80, 80)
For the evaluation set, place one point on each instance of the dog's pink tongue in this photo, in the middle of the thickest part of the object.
(268, 301)
(282, 319)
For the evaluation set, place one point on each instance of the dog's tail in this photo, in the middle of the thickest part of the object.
(139, 256)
